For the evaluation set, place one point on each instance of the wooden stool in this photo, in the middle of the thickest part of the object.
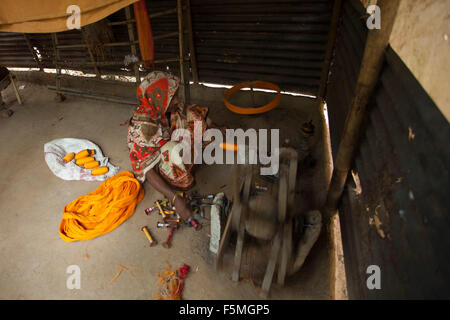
(6, 78)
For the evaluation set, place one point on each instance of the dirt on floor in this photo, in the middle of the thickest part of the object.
(35, 259)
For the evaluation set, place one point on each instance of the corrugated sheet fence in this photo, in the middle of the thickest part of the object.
(278, 41)
(235, 40)
(394, 213)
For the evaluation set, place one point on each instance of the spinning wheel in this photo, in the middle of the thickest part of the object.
(240, 219)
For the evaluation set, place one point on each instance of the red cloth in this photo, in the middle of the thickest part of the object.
(182, 274)
(154, 95)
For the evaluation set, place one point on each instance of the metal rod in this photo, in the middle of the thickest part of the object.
(56, 59)
(163, 13)
(119, 23)
(191, 42)
(83, 45)
(112, 63)
(123, 43)
(329, 52)
(116, 44)
(69, 46)
(166, 35)
(181, 49)
(94, 96)
(133, 46)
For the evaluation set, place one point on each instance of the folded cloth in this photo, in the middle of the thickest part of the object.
(102, 210)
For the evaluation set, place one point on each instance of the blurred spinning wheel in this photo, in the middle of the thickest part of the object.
(266, 217)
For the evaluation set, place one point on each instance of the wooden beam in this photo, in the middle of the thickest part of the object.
(271, 265)
(191, 42)
(224, 240)
(239, 221)
(91, 54)
(165, 35)
(372, 61)
(33, 52)
(182, 94)
(330, 45)
(235, 212)
(371, 64)
(19, 100)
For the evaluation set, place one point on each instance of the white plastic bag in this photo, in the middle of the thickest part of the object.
(56, 150)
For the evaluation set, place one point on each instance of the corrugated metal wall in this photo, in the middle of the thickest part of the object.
(396, 216)
(236, 40)
(278, 41)
(344, 69)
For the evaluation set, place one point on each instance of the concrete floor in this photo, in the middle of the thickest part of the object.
(34, 258)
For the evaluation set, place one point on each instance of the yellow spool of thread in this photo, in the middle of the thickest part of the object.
(82, 161)
(99, 171)
(91, 164)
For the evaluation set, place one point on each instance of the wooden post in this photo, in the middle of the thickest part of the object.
(235, 211)
(59, 96)
(330, 45)
(91, 54)
(191, 42)
(372, 61)
(182, 90)
(133, 46)
(271, 265)
(239, 223)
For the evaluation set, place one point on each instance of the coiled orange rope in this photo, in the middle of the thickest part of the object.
(258, 85)
(102, 210)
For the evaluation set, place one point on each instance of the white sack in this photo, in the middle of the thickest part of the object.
(56, 150)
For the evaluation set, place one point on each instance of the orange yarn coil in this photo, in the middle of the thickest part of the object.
(102, 210)
(258, 85)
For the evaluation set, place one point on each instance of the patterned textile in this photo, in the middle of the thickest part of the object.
(151, 127)
(171, 166)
